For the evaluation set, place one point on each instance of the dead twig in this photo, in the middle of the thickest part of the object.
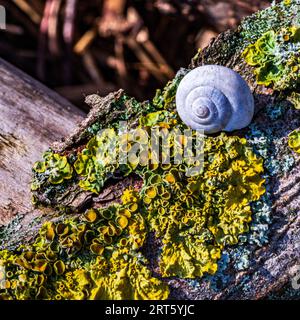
(28, 10)
(85, 41)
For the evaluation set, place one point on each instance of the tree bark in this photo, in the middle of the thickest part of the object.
(33, 117)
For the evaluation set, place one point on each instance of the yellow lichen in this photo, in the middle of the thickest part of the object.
(55, 167)
(294, 140)
(96, 255)
(197, 216)
(127, 278)
(92, 257)
(275, 58)
(94, 163)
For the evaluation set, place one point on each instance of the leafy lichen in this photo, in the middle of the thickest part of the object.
(279, 15)
(94, 256)
(94, 164)
(55, 167)
(294, 140)
(164, 99)
(206, 222)
(206, 212)
(97, 255)
(276, 57)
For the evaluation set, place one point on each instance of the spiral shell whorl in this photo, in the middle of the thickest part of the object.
(214, 98)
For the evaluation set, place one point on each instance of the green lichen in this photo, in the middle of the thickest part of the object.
(123, 108)
(97, 255)
(165, 99)
(275, 56)
(294, 140)
(55, 169)
(204, 221)
(94, 256)
(188, 212)
(99, 161)
(280, 15)
(294, 98)
(94, 164)
(197, 216)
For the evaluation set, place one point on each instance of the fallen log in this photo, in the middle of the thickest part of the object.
(39, 117)
(32, 117)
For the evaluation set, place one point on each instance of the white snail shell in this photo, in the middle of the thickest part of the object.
(214, 98)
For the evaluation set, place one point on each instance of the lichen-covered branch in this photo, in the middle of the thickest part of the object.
(231, 232)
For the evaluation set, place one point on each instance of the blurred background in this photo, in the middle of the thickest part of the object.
(78, 47)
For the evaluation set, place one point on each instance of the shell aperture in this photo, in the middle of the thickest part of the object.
(214, 98)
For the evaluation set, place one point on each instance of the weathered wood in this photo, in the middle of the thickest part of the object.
(32, 117)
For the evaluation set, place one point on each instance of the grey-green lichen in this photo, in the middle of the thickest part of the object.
(280, 15)
(92, 256)
(253, 233)
(196, 217)
(275, 56)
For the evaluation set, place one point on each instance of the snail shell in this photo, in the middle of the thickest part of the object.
(214, 98)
